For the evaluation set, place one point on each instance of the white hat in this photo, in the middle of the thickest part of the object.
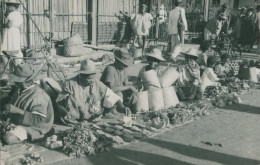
(191, 52)
(156, 53)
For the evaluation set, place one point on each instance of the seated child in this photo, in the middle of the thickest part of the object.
(209, 78)
(189, 80)
(222, 69)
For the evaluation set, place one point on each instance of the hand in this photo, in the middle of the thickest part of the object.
(12, 109)
(127, 111)
(132, 88)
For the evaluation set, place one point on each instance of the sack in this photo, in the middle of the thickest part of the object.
(142, 103)
(169, 76)
(73, 46)
(253, 75)
(155, 97)
(170, 97)
(151, 80)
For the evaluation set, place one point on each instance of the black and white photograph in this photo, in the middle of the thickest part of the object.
(130, 82)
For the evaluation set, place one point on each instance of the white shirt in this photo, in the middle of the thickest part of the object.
(141, 23)
(174, 16)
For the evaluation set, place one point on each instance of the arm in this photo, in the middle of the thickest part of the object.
(117, 88)
(184, 20)
(8, 24)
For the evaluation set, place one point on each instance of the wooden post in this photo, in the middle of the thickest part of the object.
(28, 27)
(94, 22)
(51, 18)
(206, 10)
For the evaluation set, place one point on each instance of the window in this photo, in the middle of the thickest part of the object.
(216, 2)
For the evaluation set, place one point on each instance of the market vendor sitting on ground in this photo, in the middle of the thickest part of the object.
(84, 97)
(214, 26)
(188, 86)
(141, 24)
(30, 108)
(153, 58)
(115, 77)
(222, 69)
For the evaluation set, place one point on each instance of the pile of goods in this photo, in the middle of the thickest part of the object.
(226, 99)
(240, 85)
(33, 159)
(53, 143)
(4, 128)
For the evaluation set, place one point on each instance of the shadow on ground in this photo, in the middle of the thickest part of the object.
(204, 154)
(244, 108)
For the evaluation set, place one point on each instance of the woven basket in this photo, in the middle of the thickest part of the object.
(73, 46)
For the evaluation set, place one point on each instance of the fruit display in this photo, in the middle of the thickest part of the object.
(226, 99)
(33, 159)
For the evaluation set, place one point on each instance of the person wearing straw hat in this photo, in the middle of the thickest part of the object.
(226, 22)
(30, 107)
(141, 24)
(11, 35)
(214, 26)
(115, 77)
(153, 58)
(189, 80)
(84, 97)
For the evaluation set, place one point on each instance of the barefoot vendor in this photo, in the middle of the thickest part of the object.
(30, 108)
(84, 97)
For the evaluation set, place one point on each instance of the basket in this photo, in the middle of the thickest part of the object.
(73, 46)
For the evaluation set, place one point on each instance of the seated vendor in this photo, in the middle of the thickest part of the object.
(154, 58)
(189, 80)
(30, 108)
(222, 69)
(209, 78)
(115, 77)
(83, 97)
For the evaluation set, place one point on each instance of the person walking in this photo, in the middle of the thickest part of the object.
(177, 17)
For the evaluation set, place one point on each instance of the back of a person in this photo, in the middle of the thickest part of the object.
(174, 16)
(211, 25)
(118, 76)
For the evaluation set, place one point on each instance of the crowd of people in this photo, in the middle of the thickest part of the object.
(84, 97)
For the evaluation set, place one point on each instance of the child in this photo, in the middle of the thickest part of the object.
(209, 78)
(189, 80)
(223, 70)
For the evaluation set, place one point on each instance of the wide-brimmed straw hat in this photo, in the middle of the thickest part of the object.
(123, 55)
(22, 73)
(12, 2)
(191, 52)
(222, 16)
(87, 67)
(156, 53)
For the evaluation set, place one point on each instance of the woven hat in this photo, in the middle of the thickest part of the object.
(144, 5)
(123, 55)
(222, 16)
(87, 67)
(156, 53)
(22, 73)
(191, 52)
(12, 2)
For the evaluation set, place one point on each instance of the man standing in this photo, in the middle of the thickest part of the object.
(30, 108)
(214, 27)
(258, 28)
(141, 24)
(115, 77)
(177, 39)
(84, 97)
(226, 22)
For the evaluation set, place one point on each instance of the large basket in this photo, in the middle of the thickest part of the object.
(73, 46)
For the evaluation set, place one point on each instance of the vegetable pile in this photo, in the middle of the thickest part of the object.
(226, 99)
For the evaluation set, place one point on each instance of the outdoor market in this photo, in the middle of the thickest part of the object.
(129, 82)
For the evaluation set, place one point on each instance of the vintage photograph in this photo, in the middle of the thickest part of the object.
(129, 82)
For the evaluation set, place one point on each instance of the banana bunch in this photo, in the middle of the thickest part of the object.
(160, 122)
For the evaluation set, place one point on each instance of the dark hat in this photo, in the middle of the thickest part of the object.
(87, 67)
(178, 1)
(22, 73)
(251, 9)
(12, 2)
(224, 5)
(123, 55)
(222, 16)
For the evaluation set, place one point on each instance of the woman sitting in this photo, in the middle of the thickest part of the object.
(189, 80)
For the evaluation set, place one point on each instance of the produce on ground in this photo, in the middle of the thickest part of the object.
(226, 99)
